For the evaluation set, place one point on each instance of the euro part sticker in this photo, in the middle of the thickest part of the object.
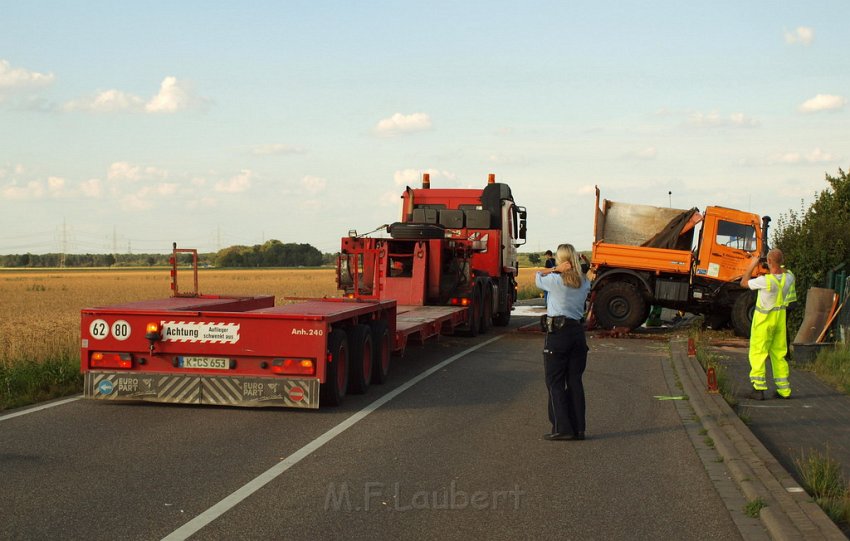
(200, 331)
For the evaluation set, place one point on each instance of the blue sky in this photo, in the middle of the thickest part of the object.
(133, 125)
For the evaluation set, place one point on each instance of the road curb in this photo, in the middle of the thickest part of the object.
(789, 512)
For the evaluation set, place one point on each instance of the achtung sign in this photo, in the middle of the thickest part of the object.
(200, 331)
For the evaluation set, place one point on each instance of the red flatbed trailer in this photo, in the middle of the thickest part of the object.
(245, 351)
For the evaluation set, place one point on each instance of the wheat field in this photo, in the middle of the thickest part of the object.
(40, 310)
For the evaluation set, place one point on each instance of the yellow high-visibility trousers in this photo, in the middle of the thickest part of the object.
(767, 339)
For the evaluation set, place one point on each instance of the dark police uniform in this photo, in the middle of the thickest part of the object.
(565, 355)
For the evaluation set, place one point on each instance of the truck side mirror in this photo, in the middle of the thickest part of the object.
(523, 215)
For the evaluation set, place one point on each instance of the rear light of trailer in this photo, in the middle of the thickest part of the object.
(294, 367)
(110, 360)
(460, 301)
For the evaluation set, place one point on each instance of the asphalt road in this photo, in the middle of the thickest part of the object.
(456, 455)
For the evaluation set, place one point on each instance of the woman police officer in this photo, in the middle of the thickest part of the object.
(565, 349)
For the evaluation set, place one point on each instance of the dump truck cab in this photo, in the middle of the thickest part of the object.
(729, 238)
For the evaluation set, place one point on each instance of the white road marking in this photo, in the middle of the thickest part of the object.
(525, 310)
(230, 501)
(39, 408)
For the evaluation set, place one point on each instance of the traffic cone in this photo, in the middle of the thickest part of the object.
(712, 381)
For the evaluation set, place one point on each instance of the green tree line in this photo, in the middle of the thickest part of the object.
(816, 240)
(272, 253)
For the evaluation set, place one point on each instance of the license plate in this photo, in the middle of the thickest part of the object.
(213, 363)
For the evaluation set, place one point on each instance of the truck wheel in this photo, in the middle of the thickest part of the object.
(742, 313)
(333, 389)
(382, 345)
(472, 325)
(620, 304)
(503, 317)
(486, 309)
(360, 361)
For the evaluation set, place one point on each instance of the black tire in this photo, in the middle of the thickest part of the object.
(503, 315)
(486, 308)
(717, 321)
(403, 230)
(382, 345)
(333, 389)
(361, 359)
(620, 304)
(742, 313)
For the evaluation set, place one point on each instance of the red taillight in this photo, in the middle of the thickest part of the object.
(111, 360)
(300, 367)
(460, 301)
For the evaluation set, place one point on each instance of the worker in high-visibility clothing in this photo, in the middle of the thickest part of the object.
(776, 291)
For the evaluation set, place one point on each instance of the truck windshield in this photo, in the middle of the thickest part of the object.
(740, 236)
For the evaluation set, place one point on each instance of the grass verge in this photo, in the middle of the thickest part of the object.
(708, 359)
(753, 507)
(26, 381)
(832, 366)
(823, 480)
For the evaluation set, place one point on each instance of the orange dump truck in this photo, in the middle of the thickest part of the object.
(648, 256)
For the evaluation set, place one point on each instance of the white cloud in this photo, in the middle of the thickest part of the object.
(56, 185)
(203, 202)
(30, 190)
(716, 120)
(313, 185)
(648, 153)
(276, 149)
(823, 102)
(815, 156)
(120, 171)
(740, 119)
(803, 35)
(135, 202)
(389, 199)
(20, 78)
(173, 96)
(399, 124)
(413, 177)
(507, 159)
(92, 187)
(237, 183)
(107, 101)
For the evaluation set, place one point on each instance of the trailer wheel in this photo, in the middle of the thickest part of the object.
(742, 313)
(333, 389)
(382, 345)
(620, 304)
(360, 361)
(486, 308)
